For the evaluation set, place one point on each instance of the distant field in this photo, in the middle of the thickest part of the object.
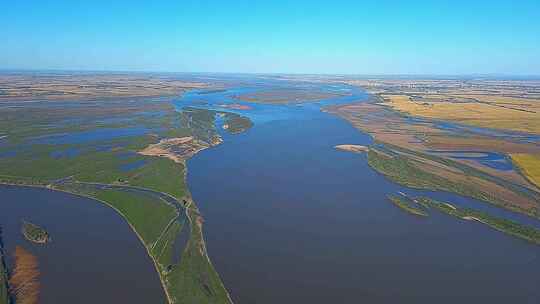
(501, 104)
(508, 113)
(451, 86)
(26, 86)
(530, 165)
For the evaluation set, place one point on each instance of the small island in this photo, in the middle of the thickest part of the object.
(35, 233)
(403, 203)
(528, 233)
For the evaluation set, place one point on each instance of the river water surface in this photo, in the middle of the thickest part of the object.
(289, 219)
(94, 257)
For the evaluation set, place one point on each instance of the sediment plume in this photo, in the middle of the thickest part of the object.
(24, 285)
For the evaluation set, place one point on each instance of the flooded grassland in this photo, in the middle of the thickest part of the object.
(110, 151)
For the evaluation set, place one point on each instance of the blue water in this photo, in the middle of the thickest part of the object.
(465, 129)
(93, 258)
(133, 165)
(84, 137)
(9, 153)
(288, 219)
(493, 160)
(66, 153)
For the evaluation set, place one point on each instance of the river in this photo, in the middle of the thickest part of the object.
(93, 257)
(289, 219)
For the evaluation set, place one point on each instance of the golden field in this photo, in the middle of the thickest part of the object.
(498, 112)
(530, 165)
(87, 86)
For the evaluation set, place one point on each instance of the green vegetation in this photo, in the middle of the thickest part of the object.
(405, 205)
(404, 170)
(163, 248)
(148, 215)
(35, 233)
(195, 277)
(100, 169)
(158, 174)
(237, 123)
(200, 122)
(528, 233)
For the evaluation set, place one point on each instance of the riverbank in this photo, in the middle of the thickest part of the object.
(4, 289)
(403, 152)
(176, 290)
(352, 148)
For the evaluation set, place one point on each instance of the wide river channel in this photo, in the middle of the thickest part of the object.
(289, 219)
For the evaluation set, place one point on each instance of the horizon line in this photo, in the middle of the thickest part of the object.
(107, 71)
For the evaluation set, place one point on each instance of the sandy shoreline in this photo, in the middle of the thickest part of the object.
(352, 148)
(178, 149)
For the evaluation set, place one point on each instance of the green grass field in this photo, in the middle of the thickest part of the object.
(163, 248)
(195, 278)
(148, 215)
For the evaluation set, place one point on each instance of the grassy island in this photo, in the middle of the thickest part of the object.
(236, 124)
(527, 233)
(405, 204)
(421, 171)
(35, 233)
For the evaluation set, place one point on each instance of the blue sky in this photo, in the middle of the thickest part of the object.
(358, 37)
